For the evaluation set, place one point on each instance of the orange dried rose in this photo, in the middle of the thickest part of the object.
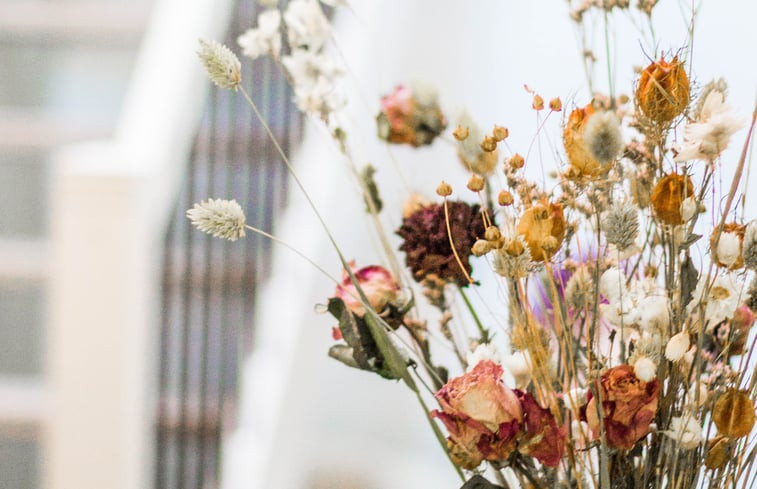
(668, 196)
(663, 91)
(628, 407)
(543, 228)
(733, 414)
(582, 164)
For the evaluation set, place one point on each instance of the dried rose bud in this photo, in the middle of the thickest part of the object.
(476, 183)
(500, 133)
(410, 115)
(726, 250)
(492, 233)
(461, 133)
(663, 91)
(505, 198)
(444, 189)
(733, 414)
(377, 284)
(516, 161)
(668, 196)
(555, 104)
(543, 227)
(489, 144)
(538, 103)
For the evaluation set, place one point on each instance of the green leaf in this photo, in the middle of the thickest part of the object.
(372, 189)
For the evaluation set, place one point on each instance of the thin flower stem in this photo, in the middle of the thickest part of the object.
(484, 332)
(452, 243)
(292, 248)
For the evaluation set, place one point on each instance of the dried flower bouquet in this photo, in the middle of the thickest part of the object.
(629, 363)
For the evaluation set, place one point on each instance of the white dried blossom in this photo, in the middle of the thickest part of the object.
(677, 346)
(336, 3)
(706, 138)
(223, 66)
(575, 398)
(621, 225)
(603, 137)
(484, 351)
(698, 393)
(686, 431)
(580, 288)
(654, 313)
(220, 218)
(719, 299)
(519, 365)
(728, 249)
(314, 77)
(750, 245)
(645, 368)
(265, 38)
(307, 26)
(612, 284)
(688, 208)
(719, 85)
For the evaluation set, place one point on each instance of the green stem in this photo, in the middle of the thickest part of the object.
(484, 332)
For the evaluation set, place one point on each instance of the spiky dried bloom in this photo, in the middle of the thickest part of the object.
(663, 91)
(514, 259)
(621, 225)
(750, 246)
(427, 244)
(219, 218)
(223, 66)
(603, 137)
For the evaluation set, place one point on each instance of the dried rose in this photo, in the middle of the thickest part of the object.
(543, 228)
(410, 116)
(481, 414)
(628, 407)
(668, 196)
(663, 91)
(426, 242)
(377, 283)
(733, 414)
(541, 438)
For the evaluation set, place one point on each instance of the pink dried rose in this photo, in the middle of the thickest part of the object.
(377, 283)
(628, 407)
(482, 415)
(542, 438)
(410, 116)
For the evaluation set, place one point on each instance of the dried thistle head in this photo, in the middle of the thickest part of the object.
(620, 224)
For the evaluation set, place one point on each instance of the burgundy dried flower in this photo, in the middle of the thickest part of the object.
(427, 248)
(542, 438)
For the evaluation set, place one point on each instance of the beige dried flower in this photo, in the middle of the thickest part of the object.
(220, 218)
(621, 225)
(603, 137)
(223, 66)
(750, 246)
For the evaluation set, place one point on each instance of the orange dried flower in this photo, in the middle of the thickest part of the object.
(505, 198)
(663, 91)
(718, 452)
(543, 228)
(579, 157)
(538, 103)
(668, 196)
(733, 414)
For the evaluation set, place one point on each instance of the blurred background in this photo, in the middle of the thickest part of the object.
(138, 353)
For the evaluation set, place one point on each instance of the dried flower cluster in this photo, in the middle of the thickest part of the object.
(625, 358)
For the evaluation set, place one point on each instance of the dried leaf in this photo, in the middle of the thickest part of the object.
(478, 482)
(372, 189)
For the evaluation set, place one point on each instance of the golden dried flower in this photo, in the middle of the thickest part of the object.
(505, 198)
(718, 452)
(668, 196)
(476, 183)
(489, 144)
(538, 103)
(492, 233)
(543, 228)
(444, 189)
(663, 91)
(581, 161)
(460, 133)
(555, 104)
(500, 133)
(516, 162)
(733, 414)
(481, 247)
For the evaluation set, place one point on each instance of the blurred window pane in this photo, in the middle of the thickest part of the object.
(23, 195)
(22, 309)
(19, 461)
